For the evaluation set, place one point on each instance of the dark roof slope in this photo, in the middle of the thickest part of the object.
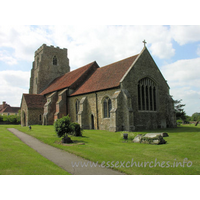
(2, 108)
(34, 100)
(69, 79)
(11, 109)
(106, 77)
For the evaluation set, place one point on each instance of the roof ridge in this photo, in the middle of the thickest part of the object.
(80, 67)
(68, 79)
(32, 94)
(108, 77)
(120, 60)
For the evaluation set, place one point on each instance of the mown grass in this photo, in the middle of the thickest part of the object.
(104, 146)
(16, 158)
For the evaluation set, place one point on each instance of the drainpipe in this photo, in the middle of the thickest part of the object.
(97, 111)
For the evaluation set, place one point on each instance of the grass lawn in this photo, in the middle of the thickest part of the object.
(104, 146)
(19, 159)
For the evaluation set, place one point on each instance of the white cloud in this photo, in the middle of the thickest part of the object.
(24, 40)
(112, 42)
(198, 50)
(5, 57)
(13, 84)
(162, 50)
(185, 34)
(107, 44)
(183, 79)
(183, 72)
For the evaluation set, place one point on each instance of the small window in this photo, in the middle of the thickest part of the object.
(107, 106)
(77, 109)
(37, 64)
(54, 60)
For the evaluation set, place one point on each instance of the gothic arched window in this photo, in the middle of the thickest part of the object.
(147, 95)
(54, 60)
(107, 106)
(77, 109)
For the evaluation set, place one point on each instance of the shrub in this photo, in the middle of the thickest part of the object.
(1, 118)
(63, 126)
(19, 119)
(179, 122)
(5, 118)
(12, 119)
(77, 130)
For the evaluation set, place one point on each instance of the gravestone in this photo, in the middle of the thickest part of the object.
(154, 138)
(156, 134)
(125, 136)
(137, 139)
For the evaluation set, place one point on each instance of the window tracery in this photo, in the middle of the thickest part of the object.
(147, 92)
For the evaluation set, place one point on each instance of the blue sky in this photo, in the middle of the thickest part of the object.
(175, 49)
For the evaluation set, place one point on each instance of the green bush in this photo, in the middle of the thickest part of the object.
(179, 122)
(5, 118)
(11, 119)
(63, 126)
(77, 130)
(19, 119)
(1, 118)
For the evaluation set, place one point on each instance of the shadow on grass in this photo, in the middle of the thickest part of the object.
(75, 142)
(183, 128)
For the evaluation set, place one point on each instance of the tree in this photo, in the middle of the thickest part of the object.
(180, 113)
(63, 127)
(196, 117)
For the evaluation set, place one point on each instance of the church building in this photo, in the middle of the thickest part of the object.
(128, 95)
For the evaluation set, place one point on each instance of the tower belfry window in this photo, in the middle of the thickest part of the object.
(37, 63)
(54, 60)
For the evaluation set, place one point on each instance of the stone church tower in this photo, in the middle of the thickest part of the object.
(49, 63)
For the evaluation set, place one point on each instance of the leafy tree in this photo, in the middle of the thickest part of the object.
(188, 118)
(180, 113)
(195, 117)
(65, 127)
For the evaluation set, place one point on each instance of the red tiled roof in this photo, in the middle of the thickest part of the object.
(106, 77)
(11, 109)
(34, 100)
(2, 107)
(67, 79)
